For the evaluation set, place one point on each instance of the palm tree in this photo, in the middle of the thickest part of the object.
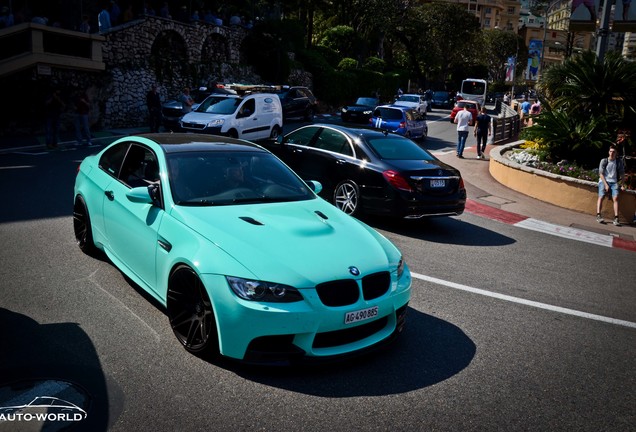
(585, 103)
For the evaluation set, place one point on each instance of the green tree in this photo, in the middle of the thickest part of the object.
(499, 45)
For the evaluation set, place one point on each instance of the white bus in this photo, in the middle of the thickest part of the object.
(474, 89)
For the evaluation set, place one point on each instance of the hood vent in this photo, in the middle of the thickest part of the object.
(321, 214)
(250, 220)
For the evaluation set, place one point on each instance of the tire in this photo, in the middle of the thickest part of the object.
(190, 313)
(232, 133)
(309, 114)
(346, 196)
(82, 227)
(275, 132)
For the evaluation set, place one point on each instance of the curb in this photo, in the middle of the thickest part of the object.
(529, 223)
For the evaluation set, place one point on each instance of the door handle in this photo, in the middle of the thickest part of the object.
(110, 195)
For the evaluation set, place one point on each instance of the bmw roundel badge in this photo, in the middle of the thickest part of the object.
(354, 271)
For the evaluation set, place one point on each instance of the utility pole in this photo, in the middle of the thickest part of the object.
(603, 30)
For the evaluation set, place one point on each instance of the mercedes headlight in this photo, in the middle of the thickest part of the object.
(261, 291)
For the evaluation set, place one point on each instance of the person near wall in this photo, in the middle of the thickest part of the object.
(186, 101)
(611, 173)
(153, 102)
(53, 108)
(82, 126)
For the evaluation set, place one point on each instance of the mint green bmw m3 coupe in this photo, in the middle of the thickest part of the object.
(248, 261)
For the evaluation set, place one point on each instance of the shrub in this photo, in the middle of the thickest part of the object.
(348, 63)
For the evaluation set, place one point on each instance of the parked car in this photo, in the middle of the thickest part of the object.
(245, 257)
(442, 99)
(415, 101)
(253, 116)
(472, 106)
(360, 111)
(401, 120)
(369, 171)
(172, 110)
(298, 102)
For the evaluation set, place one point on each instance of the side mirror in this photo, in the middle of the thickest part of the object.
(314, 186)
(140, 195)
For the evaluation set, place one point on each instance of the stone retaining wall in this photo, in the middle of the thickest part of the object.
(566, 192)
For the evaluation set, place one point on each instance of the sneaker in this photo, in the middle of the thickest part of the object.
(616, 222)
(479, 156)
(599, 218)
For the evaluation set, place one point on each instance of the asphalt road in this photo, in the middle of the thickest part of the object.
(475, 356)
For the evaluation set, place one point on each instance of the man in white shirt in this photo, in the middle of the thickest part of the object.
(463, 119)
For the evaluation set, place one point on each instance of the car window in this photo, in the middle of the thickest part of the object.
(140, 167)
(388, 113)
(248, 108)
(112, 158)
(398, 148)
(218, 178)
(302, 136)
(334, 141)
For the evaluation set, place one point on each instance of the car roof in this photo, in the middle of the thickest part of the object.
(363, 132)
(182, 142)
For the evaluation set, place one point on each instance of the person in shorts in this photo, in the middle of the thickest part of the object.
(611, 173)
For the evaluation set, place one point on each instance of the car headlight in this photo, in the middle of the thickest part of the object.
(367, 112)
(216, 122)
(344, 110)
(400, 268)
(254, 290)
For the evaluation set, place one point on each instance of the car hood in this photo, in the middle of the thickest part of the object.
(202, 118)
(359, 107)
(172, 104)
(290, 242)
(406, 104)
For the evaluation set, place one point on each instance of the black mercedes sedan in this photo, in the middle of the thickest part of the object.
(373, 172)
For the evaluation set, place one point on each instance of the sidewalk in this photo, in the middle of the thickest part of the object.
(512, 207)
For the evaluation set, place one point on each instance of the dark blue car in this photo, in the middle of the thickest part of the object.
(404, 121)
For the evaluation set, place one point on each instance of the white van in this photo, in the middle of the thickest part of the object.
(251, 117)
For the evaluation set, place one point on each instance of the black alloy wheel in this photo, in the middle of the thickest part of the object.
(82, 227)
(346, 197)
(190, 312)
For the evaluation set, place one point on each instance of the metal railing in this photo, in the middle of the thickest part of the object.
(507, 124)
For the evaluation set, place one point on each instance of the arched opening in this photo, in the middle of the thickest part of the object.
(169, 56)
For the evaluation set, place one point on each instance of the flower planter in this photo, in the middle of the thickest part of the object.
(566, 192)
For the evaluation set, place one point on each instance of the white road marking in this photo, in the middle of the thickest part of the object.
(566, 232)
(524, 301)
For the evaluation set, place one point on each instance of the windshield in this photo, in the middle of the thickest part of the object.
(219, 105)
(393, 147)
(406, 98)
(214, 178)
(473, 88)
(367, 101)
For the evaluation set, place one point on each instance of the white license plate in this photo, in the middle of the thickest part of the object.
(438, 183)
(361, 315)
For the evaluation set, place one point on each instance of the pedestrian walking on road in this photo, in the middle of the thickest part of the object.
(483, 129)
(153, 102)
(611, 173)
(53, 107)
(463, 119)
(82, 126)
(525, 111)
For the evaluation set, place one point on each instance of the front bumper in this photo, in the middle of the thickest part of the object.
(306, 331)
